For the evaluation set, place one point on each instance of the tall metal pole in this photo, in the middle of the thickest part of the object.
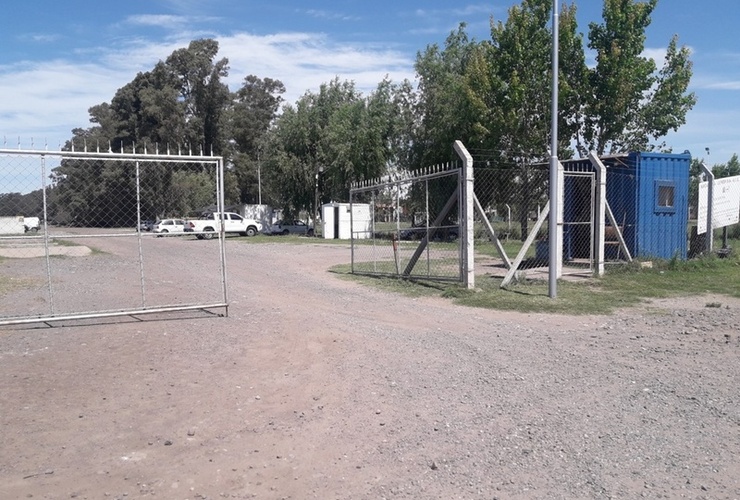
(553, 220)
(319, 169)
(259, 178)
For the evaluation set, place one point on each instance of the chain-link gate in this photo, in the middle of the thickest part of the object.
(513, 215)
(76, 238)
(578, 221)
(414, 227)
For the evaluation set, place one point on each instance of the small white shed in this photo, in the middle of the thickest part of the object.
(12, 225)
(337, 223)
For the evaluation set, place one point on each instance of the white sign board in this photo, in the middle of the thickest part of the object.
(725, 206)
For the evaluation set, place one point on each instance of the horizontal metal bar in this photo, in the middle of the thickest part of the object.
(111, 314)
(72, 236)
(81, 155)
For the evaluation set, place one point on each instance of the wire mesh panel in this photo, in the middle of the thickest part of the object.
(578, 219)
(413, 226)
(511, 200)
(96, 234)
(512, 226)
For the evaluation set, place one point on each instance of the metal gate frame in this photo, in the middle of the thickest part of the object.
(463, 196)
(44, 235)
(568, 236)
(428, 230)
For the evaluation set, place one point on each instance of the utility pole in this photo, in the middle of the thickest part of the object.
(259, 177)
(553, 221)
(319, 169)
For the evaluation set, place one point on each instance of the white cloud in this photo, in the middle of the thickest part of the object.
(47, 99)
(656, 54)
(708, 127)
(42, 37)
(304, 61)
(727, 85)
(156, 20)
(330, 15)
(167, 21)
(476, 9)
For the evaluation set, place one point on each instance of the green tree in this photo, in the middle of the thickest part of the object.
(146, 110)
(203, 94)
(254, 108)
(441, 107)
(729, 169)
(334, 137)
(180, 105)
(627, 104)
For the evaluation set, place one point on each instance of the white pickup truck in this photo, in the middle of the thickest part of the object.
(209, 226)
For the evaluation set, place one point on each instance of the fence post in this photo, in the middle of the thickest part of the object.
(710, 203)
(599, 212)
(466, 216)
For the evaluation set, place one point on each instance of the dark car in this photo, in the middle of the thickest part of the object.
(445, 233)
(146, 225)
(291, 227)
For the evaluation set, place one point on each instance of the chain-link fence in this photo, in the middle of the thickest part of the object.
(714, 201)
(91, 234)
(512, 223)
(414, 226)
(512, 200)
(612, 210)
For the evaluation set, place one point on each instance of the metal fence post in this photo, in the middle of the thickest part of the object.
(710, 201)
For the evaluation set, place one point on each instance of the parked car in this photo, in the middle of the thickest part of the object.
(291, 227)
(169, 226)
(146, 225)
(444, 233)
(412, 233)
(209, 225)
(32, 224)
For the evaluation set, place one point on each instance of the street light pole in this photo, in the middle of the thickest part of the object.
(259, 178)
(316, 202)
(554, 188)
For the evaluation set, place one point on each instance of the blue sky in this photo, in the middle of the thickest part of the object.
(60, 58)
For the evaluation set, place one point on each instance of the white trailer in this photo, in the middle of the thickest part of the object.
(18, 224)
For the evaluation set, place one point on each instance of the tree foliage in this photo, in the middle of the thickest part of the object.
(334, 137)
(493, 94)
(627, 104)
(183, 105)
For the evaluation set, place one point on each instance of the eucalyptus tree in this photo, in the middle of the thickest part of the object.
(202, 92)
(180, 102)
(254, 107)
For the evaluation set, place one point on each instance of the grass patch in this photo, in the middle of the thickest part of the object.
(293, 239)
(623, 286)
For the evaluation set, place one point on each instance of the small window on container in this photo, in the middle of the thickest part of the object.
(665, 196)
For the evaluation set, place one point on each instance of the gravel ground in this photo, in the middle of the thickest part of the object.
(317, 387)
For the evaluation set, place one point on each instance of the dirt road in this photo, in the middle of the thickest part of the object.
(317, 387)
